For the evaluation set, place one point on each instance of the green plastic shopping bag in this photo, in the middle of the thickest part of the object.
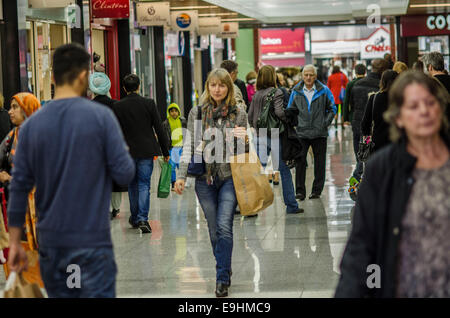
(165, 180)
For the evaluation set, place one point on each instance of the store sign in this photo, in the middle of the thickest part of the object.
(335, 47)
(282, 40)
(208, 26)
(418, 25)
(377, 45)
(154, 13)
(110, 8)
(39, 4)
(184, 20)
(175, 43)
(229, 30)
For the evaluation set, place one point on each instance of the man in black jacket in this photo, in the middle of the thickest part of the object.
(358, 98)
(139, 119)
(232, 68)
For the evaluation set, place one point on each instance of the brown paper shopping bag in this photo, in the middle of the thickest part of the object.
(18, 287)
(253, 191)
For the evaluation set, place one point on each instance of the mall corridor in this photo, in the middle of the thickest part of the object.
(274, 254)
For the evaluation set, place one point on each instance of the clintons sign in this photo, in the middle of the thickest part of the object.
(110, 8)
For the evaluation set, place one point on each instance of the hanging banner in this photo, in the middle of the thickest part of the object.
(153, 13)
(209, 26)
(118, 9)
(175, 43)
(229, 30)
(282, 40)
(39, 4)
(184, 20)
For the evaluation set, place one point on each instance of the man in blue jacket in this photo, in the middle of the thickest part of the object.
(316, 107)
(71, 150)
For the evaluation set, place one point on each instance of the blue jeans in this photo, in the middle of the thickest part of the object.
(139, 190)
(218, 202)
(263, 149)
(96, 268)
(174, 161)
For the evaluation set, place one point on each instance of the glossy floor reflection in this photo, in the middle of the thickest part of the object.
(274, 255)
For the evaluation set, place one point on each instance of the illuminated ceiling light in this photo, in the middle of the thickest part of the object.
(238, 19)
(217, 14)
(193, 7)
(435, 5)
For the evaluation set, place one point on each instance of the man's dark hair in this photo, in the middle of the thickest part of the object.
(131, 82)
(229, 65)
(379, 66)
(360, 69)
(336, 69)
(69, 60)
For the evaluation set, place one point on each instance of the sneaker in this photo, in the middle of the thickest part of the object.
(276, 178)
(299, 210)
(133, 225)
(144, 226)
(114, 213)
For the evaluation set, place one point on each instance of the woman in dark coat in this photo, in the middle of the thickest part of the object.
(376, 106)
(399, 245)
(100, 84)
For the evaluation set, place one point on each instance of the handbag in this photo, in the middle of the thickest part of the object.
(342, 92)
(18, 287)
(366, 145)
(267, 118)
(196, 167)
(165, 180)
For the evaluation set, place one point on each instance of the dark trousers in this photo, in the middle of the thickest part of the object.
(319, 147)
(359, 165)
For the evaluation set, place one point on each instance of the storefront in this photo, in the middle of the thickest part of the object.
(46, 30)
(422, 34)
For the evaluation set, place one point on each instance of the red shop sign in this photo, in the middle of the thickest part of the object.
(282, 40)
(417, 25)
(110, 8)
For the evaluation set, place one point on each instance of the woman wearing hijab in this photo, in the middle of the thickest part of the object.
(215, 188)
(99, 84)
(23, 105)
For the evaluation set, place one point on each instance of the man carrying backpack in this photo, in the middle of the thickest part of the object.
(316, 107)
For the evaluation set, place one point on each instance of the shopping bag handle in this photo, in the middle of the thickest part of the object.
(10, 282)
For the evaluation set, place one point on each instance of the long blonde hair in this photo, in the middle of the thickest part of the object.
(224, 77)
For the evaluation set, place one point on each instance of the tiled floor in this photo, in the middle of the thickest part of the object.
(274, 255)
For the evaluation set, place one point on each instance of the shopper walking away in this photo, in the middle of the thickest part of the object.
(265, 85)
(337, 83)
(174, 125)
(400, 67)
(373, 123)
(347, 106)
(99, 84)
(400, 226)
(71, 150)
(359, 97)
(215, 188)
(139, 119)
(317, 109)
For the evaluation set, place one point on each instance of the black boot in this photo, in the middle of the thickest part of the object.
(221, 290)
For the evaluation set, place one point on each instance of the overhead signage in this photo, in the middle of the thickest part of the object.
(184, 20)
(229, 30)
(422, 25)
(118, 9)
(377, 45)
(282, 40)
(209, 26)
(39, 4)
(153, 13)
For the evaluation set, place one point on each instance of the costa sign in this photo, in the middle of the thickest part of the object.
(425, 25)
(110, 8)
